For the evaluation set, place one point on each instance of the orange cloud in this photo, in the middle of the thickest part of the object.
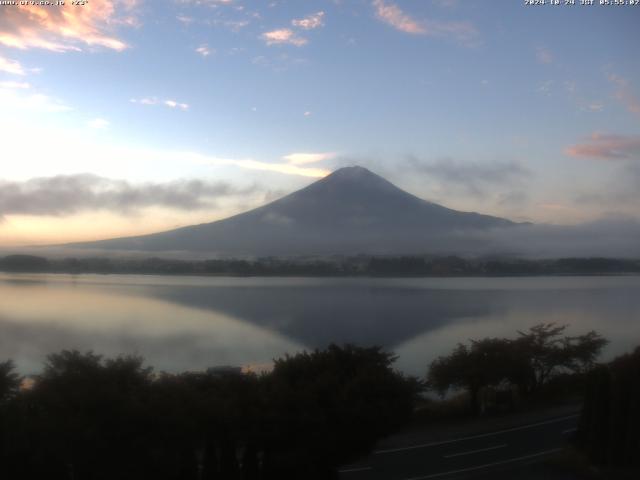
(624, 93)
(607, 147)
(315, 20)
(390, 13)
(283, 36)
(68, 27)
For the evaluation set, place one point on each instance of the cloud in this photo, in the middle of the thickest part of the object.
(619, 192)
(110, 158)
(285, 168)
(593, 107)
(394, 16)
(607, 147)
(174, 104)
(278, 63)
(204, 50)
(473, 178)
(310, 22)
(283, 36)
(11, 66)
(211, 3)
(516, 199)
(68, 27)
(185, 20)
(613, 236)
(545, 87)
(69, 194)
(543, 55)
(235, 25)
(15, 95)
(445, 3)
(14, 85)
(624, 93)
(304, 158)
(145, 101)
(98, 123)
(388, 12)
(155, 101)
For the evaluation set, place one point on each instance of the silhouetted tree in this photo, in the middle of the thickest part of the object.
(9, 387)
(90, 418)
(547, 352)
(9, 380)
(486, 362)
(327, 407)
(609, 428)
(527, 362)
(86, 417)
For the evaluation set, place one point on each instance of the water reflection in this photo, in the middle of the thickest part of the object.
(38, 320)
(191, 322)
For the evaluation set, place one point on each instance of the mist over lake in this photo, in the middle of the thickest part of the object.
(180, 323)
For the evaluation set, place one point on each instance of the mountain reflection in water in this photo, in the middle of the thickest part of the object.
(181, 323)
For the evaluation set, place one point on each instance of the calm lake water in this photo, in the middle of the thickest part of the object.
(180, 323)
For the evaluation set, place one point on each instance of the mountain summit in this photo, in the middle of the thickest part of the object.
(352, 210)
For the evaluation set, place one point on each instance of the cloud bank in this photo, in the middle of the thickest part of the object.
(473, 178)
(611, 237)
(69, 194)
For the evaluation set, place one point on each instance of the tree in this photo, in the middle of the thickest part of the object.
(609, 428)
(327, 407)
(87, 417)
(10, 381)
(486, 362)
(86, 411)
(528, 362)
(546, 353)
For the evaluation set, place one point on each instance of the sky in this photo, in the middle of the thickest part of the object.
(122, 117)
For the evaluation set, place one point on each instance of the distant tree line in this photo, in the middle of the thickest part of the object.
(361, 265)
(526, 364)
(89, 417)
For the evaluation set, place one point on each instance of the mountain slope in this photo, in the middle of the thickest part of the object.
(350, 211)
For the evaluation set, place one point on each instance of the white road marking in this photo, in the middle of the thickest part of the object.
(569, 430)
(475, 451)
(358, 469)
(498, 432)
(487, 465)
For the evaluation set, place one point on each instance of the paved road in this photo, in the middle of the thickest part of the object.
(463, 457)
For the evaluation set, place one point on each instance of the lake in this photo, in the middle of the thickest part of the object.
(180, 323)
